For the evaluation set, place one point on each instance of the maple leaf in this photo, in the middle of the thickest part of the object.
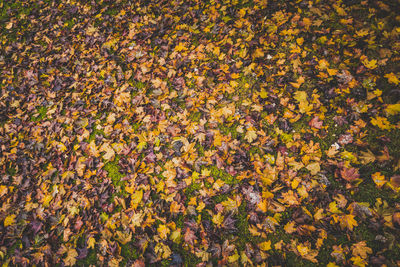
(251, 135)
(189, 236)
(93, 151)
(393, 109)
(91, 242)
(123, 238)
(290, 227)
(218, 219)
(378, 179)
(109, 155)
(349, 174)
(265, 246)
(332, 151)
(136, 198)
(367, 157)
(9, 220)
(370, 64)
(316, 123)
(70, 260)
(348, 221)
(314, 168)
(392, 78)
(307, 253)
(361, 249)
(163, 230)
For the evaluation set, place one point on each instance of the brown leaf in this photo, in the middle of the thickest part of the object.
(316, 123)
(189, 236)
(349, 174)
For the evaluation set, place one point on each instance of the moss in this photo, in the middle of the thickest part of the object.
(113, 171)
(40, 114)
(368, 192)
(293, 260)
(128, 252)
(188, 258)
(227, 129)
(195, 116)
(223, 175)
(11, 171)
(91, 259)
(193, 187)
(95, 132)
(242, 224)
(220, 198)
(200, 149)
(179, 221)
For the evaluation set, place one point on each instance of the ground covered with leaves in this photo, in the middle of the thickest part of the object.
(200, 133)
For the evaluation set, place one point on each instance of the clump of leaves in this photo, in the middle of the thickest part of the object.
(197, 133)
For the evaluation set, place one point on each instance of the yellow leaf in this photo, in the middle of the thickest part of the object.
(392, 78)
(265, 246)
(303, 250)
(109, 155)
(163, 230)
(218, 219)
(299, 82)
(201, 206)
(314, 168)
(393, 109)
(300, 41)
(91, 242)
(251, 135)
(381, 122)
(233, 258)
(370, 64)
(9, 220)
(263, 93)
(3, 190)
(136, 198)
(124, 238)
(180, 47)
(175, 235)
(93, 151)
(367, 157)
(379, 179)
(332, 264)
(332, 72)
(258, 53)
(348, 221)
(361, 249)
(71, 257)
(290, 227)
(323, 64)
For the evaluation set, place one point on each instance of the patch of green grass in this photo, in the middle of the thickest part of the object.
(193, 187)
(113, 171)
(195, 116)
(128, 252)
(40, 114)
(227, 129)
(223, 175)
(368, 192)
(95, 132)
(242, 224)
(179, 221)
(219, 198)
